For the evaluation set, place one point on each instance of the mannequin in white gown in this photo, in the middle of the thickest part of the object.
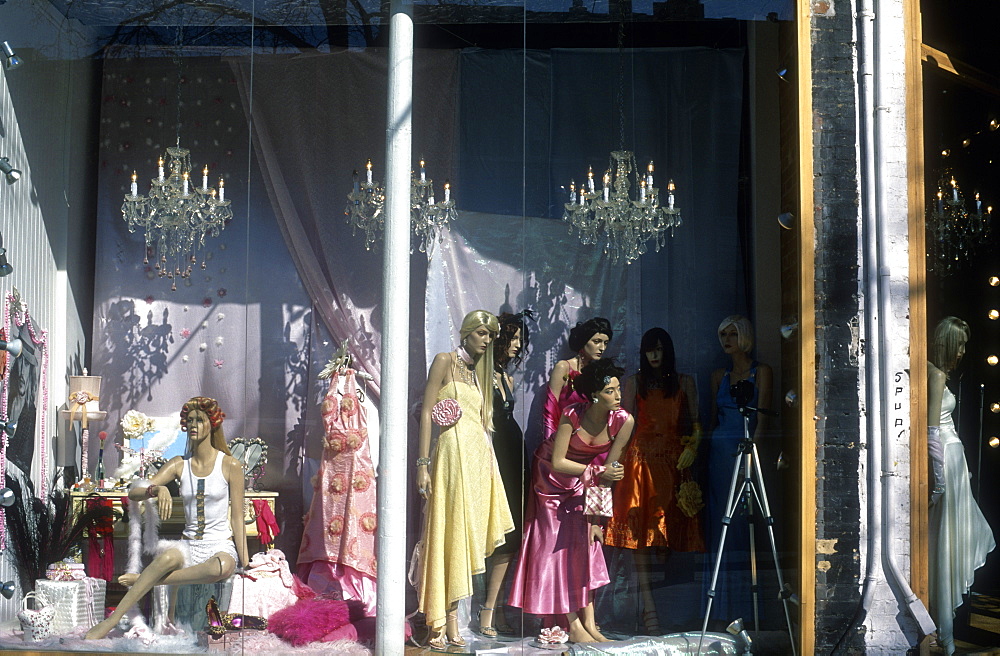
(960, 537)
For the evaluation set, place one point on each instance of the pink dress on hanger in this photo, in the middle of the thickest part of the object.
(559, 565)
(338, 541)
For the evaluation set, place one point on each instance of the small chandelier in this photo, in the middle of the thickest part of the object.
(613, 219)
(176, 216)
(953, 233)
(428, 219)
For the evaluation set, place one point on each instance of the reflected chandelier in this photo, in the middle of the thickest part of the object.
(613, 219)
(953, 233)
(428, 219)
(176, 216)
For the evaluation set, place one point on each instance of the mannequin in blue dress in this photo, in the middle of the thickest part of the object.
(732, 590)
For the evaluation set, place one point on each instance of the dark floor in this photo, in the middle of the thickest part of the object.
(977, 625)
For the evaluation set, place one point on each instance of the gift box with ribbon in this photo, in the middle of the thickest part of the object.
(77, 603)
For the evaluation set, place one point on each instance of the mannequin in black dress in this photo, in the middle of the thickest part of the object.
(508, 443)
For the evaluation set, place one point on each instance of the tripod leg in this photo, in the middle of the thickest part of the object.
(761, 494)
(732, 502)
(748, 459)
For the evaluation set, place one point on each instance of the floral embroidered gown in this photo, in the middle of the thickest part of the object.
(338, 541)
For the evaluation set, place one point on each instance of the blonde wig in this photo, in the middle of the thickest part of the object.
(744, 331)
(484, 366)
(211, 409)
(950, 333)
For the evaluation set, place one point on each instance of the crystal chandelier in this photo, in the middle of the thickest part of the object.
(613, 219)
(953, 233)
(428, 219)
(176, 216)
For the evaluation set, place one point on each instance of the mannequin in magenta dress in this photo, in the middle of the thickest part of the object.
(588, 340)
(561, 561)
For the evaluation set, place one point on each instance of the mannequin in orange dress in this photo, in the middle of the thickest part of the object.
(646, 512)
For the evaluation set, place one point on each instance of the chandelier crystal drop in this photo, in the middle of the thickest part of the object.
(176, 216)
(954, 234)
(615, 220)
(365, 210)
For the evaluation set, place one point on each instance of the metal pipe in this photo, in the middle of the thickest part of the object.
(392, 480)
(897, 582)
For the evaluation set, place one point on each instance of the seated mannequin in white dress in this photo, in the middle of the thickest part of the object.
(214, 537)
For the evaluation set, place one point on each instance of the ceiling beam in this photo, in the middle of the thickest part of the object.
(965, 73)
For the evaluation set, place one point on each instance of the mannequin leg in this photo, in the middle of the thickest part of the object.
(587, 616)
(166, 568)
(494, 582)
(642, 567)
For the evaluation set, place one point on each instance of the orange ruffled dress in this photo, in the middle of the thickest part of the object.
(645, 500)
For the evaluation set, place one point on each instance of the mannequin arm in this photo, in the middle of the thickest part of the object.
(551, 416)
(234, 476)
(690, 452)
(164, 502)
(436, 379)
(621, 441)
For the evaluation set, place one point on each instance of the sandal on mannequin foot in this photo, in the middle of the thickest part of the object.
(489, 631)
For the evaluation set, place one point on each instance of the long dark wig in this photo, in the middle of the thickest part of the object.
(509, 325)
(668, 368)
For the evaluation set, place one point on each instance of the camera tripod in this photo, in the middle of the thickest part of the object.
(750, 479)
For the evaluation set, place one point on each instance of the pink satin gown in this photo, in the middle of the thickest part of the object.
(559, 565)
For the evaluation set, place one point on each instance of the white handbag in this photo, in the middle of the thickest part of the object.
(37, 623)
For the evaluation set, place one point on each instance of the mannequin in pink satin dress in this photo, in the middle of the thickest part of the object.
(588, 340)
(561, 561)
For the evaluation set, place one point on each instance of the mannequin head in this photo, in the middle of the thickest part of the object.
(948, 343)
(512, 341)
(736, 334)
(589, 338)
(657, 361)
(596, 378)
(210, 410)
(473, 339)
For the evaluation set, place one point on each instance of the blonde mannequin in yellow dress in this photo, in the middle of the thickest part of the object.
(466, 514)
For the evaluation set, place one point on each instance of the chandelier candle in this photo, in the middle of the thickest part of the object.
(204, 179)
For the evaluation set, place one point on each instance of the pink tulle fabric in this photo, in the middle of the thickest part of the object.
(559, 565)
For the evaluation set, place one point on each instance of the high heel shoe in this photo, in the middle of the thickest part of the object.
(215, 627)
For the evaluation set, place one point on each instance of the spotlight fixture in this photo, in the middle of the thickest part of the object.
(7, 589)
(995, 408)
(7, 497)
(736, 628)
(994, 314)
(994, 441)
(994, 281)
(5, 268)
(790, 398)
(11, 60)
(788, 329)
(9, 427)
(14, 346)
(786, 220)
(992, 360)
(8, 170)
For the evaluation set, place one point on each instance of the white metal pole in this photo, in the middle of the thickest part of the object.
(392, 479)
